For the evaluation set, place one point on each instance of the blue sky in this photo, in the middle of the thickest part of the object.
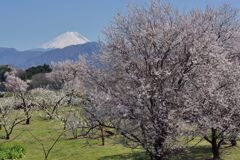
(26, 24)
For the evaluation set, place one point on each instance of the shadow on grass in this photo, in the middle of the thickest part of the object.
(194, 153)
(130, 156)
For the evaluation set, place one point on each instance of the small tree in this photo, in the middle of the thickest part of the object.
(95, 122)
(23, 96)
(66, 75)
(45, 150)
(213, 102)
(211, 96)
(49, 101)
(10, 117)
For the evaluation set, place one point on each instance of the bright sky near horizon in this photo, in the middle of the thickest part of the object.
(26, 24)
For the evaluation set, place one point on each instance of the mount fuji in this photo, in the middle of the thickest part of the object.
(67, 46)
(65, 39)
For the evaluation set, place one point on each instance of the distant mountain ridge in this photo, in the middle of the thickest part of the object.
(25, 59)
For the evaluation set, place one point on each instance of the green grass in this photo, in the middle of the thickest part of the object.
(81, 149)
(67, 148)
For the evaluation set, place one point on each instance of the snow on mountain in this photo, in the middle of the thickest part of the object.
(66, 39)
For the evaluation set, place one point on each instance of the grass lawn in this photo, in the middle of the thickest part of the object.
(67, 148)
(80, 149)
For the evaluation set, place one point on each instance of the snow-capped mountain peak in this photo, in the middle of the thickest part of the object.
(66, 39)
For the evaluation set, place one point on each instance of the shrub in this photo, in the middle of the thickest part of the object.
(14, 152)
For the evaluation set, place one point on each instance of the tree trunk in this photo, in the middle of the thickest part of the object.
(50, 117)
(215, 147)
(158, 146)
(64, 126)
(75, 133)
(7, 137)
(28, 120)
(234, 136)
(233, 142)
(28, 117)
(102, 137)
